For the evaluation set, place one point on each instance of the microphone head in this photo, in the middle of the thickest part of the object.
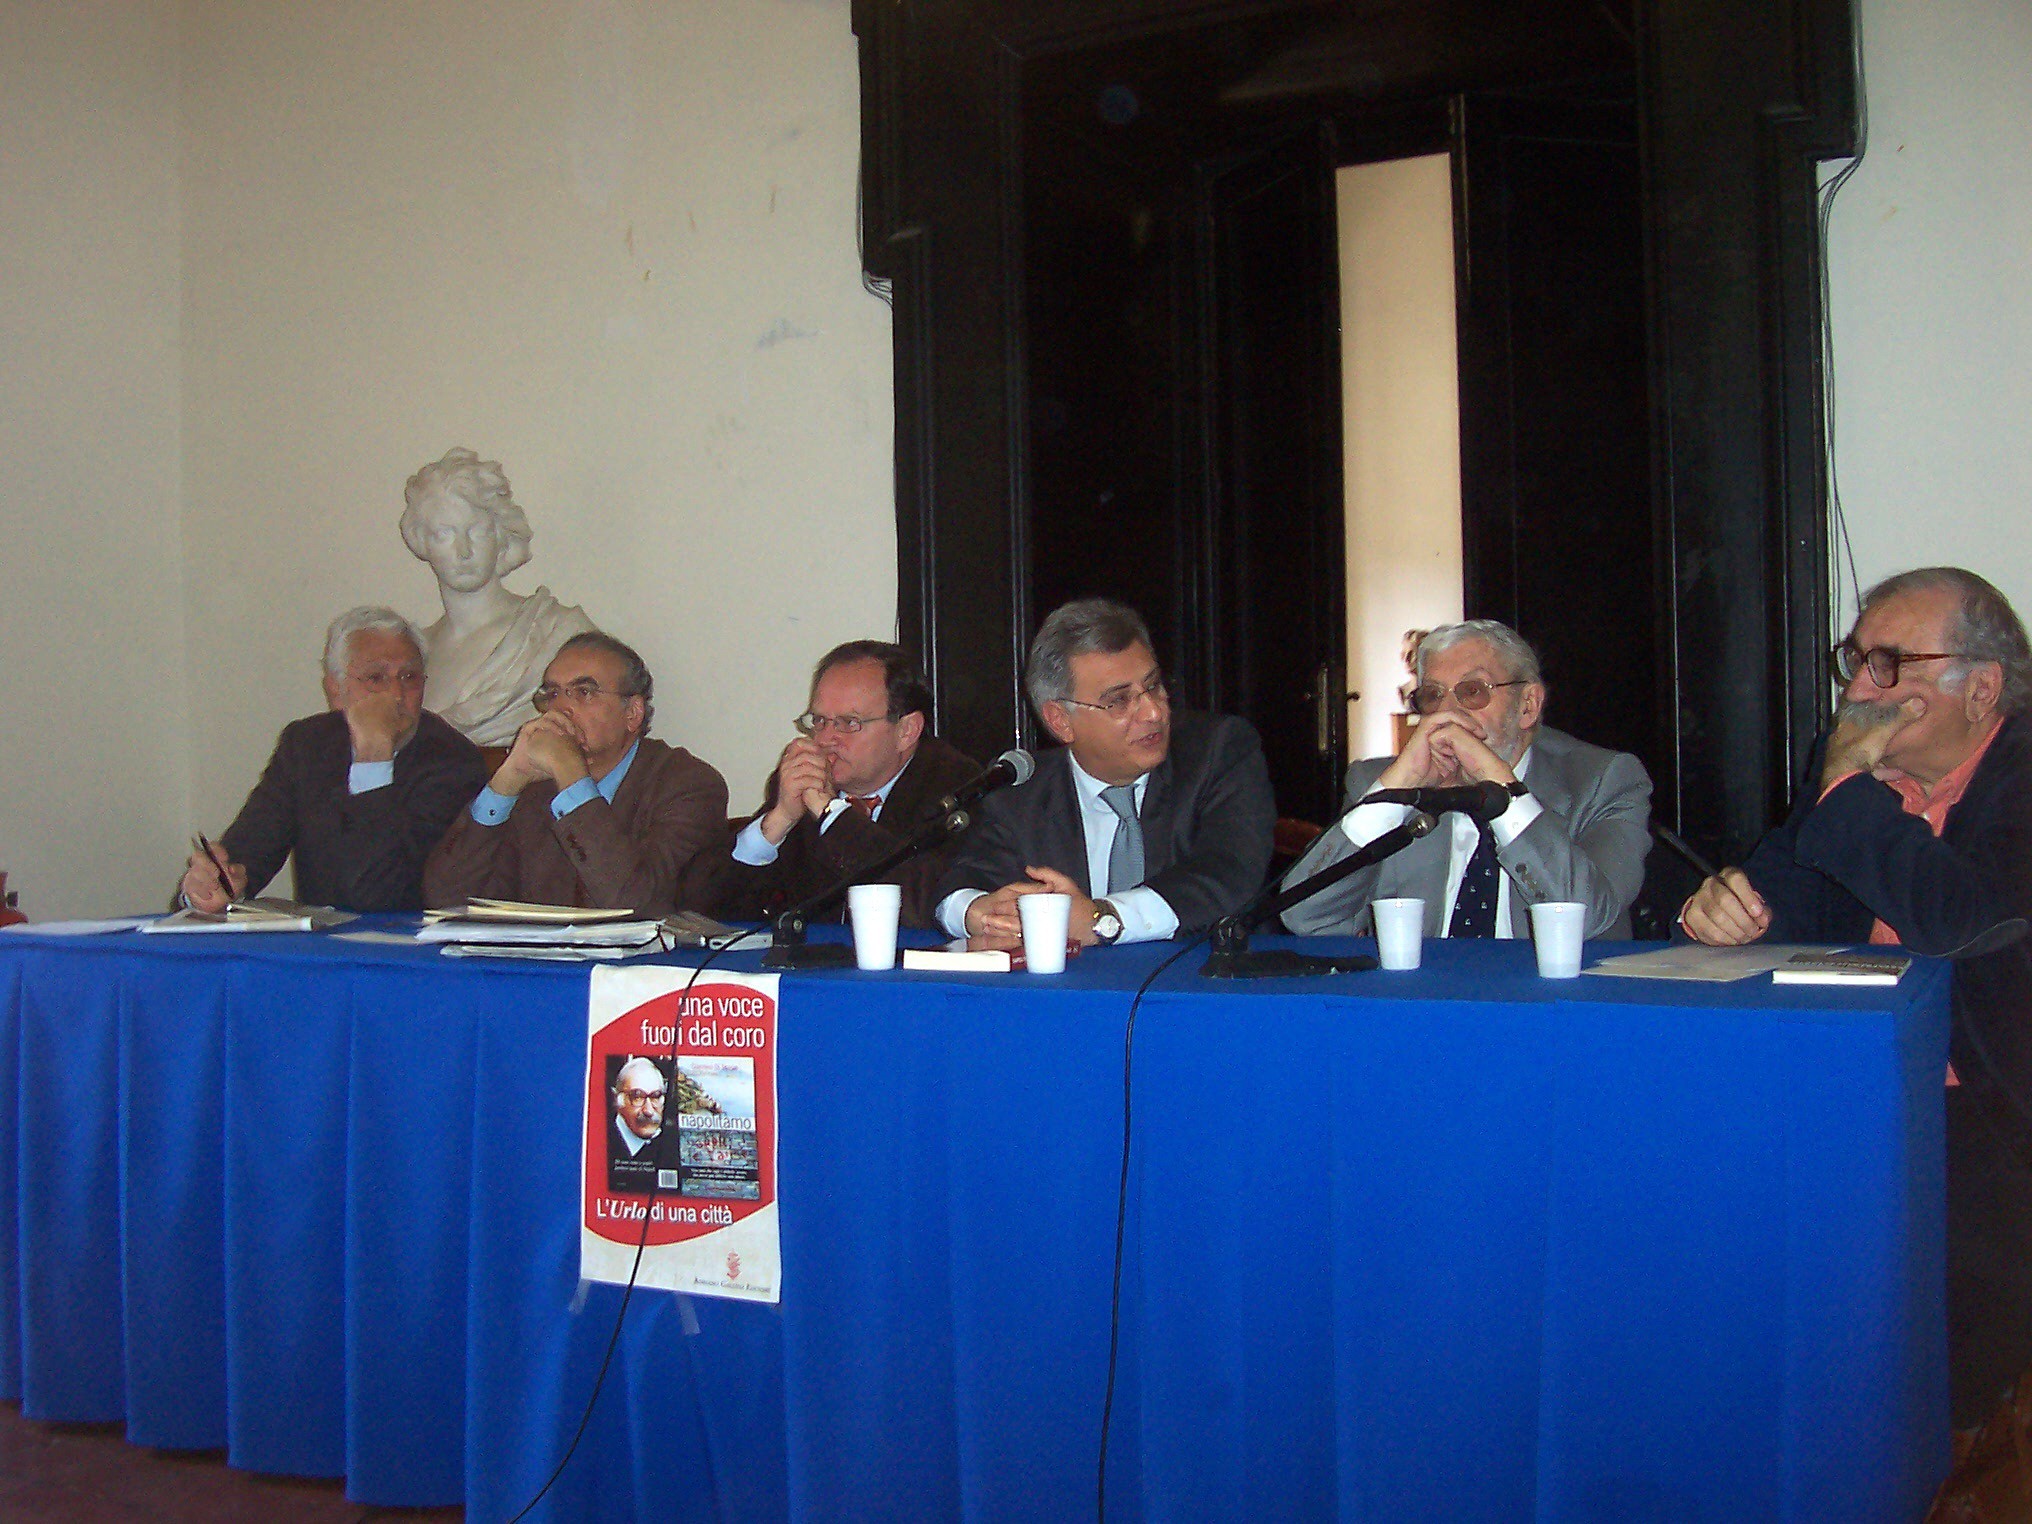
(1019, 762)
(1494, 800)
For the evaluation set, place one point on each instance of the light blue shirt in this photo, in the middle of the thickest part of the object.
(365, 777)
(490, 808)
(1146, 916)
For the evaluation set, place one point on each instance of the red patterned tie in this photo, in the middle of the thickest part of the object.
(867, 804)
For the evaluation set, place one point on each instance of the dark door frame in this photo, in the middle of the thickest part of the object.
(1739, 100)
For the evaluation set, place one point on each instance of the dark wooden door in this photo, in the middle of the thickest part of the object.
(1559, 522)
(1274, 565)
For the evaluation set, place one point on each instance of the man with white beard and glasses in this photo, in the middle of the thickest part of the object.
(1577, 827)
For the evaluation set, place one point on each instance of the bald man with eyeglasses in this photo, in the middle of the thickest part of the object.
(1577, 827)
(587, 808)
(1915, 827)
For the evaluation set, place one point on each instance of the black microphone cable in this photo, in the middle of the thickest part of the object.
(1122, 1216)
(641, 1247)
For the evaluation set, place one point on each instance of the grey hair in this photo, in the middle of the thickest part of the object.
(1987, 628)
(368, 616)
(1520, 662)
(1074, 629)
(472, 480)
(635, 679)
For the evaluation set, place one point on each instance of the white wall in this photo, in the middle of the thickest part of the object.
(609, 244)
(261, 260)
(93, 745)
(1400, 417)
(1931, 305)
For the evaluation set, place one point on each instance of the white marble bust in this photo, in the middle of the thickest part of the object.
(488, 652)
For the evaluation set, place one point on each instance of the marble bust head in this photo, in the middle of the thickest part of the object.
(488, 652)
(460, 515)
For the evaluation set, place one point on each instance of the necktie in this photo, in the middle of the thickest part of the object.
(1125, 857)
(865, 803)
(1474, 908)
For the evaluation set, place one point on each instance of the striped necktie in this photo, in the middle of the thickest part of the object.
(1125, 856)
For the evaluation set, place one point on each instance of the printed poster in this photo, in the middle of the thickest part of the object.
(680, 1132)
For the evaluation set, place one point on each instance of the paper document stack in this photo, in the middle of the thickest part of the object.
(255, 915)
(514, 929)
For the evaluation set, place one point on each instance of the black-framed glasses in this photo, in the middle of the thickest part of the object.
(1469, 693)
(584, 691)
(1883, 662)
(811, 722)
(1116, 706)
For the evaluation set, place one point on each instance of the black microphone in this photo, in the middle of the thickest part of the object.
(790, 950)
(1013, 766)
(1478, 801)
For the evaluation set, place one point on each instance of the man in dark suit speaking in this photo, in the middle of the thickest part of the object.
(1153, 821)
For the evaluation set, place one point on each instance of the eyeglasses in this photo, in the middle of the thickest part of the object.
(1469, 693)
(584, 691)
(381, 682)
(643, 1097)
(1116, 706)
(810, 723)
(1883, 662)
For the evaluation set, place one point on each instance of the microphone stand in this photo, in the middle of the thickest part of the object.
(1232, 957)
(788, 948)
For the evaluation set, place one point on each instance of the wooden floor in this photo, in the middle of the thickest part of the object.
(70, 1473)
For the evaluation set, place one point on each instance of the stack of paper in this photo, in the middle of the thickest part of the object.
(255, 915)
(514, 929)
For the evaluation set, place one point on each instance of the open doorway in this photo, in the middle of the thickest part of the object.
(1400, 426)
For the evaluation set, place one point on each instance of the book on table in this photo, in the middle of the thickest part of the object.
(1826, 965)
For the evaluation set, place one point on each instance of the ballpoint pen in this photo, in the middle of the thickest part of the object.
(225, 878)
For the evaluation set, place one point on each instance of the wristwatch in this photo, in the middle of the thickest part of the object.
(1107, 923)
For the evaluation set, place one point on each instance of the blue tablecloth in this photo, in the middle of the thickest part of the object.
(1454, 1244)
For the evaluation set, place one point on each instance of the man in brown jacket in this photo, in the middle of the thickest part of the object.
(586, 809)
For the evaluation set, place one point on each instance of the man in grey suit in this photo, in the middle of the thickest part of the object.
(1155, 821)
(1577, 827)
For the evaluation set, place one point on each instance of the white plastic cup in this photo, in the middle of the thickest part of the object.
(1046, 920)
(875, 910)
(1400, 924)
(1556, 927)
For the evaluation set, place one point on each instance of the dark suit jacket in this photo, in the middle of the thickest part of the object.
(1587, 844)
(810, 861)
(1841, 862)
(1207, 818)
(355, 851)
(628, 854)
(635, 1174)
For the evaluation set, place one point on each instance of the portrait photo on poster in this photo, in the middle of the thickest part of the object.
(680, 1132)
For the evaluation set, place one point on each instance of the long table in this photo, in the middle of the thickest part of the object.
(1457, 1244)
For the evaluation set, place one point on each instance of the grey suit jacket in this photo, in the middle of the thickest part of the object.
(1587, 844)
